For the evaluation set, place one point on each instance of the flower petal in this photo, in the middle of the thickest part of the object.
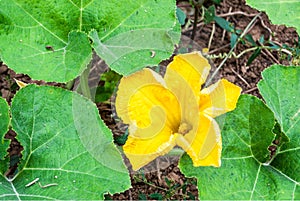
(219, 98)
(142, 97)
(192, 67)
(203, 144)
(141, 151)
(184, 77)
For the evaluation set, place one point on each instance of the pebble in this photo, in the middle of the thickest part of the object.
(3, 69)
(4, 93)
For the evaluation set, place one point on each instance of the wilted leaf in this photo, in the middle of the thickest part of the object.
(66, 144)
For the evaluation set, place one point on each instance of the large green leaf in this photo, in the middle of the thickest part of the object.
(280, 12)
(65, 143)
(246, 172)
(4, 123)
(124, 51)
(143, 39)
(280, 87)
(48, 39)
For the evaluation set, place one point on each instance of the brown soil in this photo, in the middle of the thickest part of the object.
(164, 181)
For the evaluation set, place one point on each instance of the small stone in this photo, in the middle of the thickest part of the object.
(231, 78)
(272, 148)
(3, 69)
(5, 93)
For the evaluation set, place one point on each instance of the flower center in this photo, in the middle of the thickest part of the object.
(184, 128)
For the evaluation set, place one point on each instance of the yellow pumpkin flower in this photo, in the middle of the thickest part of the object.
(170, 111)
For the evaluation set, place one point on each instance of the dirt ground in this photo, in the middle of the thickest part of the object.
(162, 179)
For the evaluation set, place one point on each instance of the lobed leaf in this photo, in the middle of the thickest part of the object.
(66, 145)
(280, 89)
(40, 38)
(48, 39)
(246, 172)
(279, 12)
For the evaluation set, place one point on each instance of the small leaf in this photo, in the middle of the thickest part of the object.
(261, 39)
(4, 124)
(156, 196)
(238, 31)
(110, 80)
(216, 1)
(66, 144)
(233, 39)
(274, 46)
(253, 56)
(250, 39)
(224, 24)
(209, 15)
(120, 140)
(247, 134)
(180, 16)
(142, 196)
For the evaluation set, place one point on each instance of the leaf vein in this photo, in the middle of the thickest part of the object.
(255, 182)
(40, 24)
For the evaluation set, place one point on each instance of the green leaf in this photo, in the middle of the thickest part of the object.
(108, 82)
(233, 39)
(274, 46)
(224, 24)
(48, 39)
(253, 56)
(4, 124)
(246, 172)
(66, 144)
(156, 196)
(249, 38)
(279, 12)
(209, 14)
(136, 33)
(216, 1)
(180, 16)
(36, 38)
(280, 89)
(120, 140)
(123, 53)
(261, 39)
(142, 196)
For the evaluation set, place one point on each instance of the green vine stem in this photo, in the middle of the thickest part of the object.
(70, 84)
(83, 86)
(231, 50)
